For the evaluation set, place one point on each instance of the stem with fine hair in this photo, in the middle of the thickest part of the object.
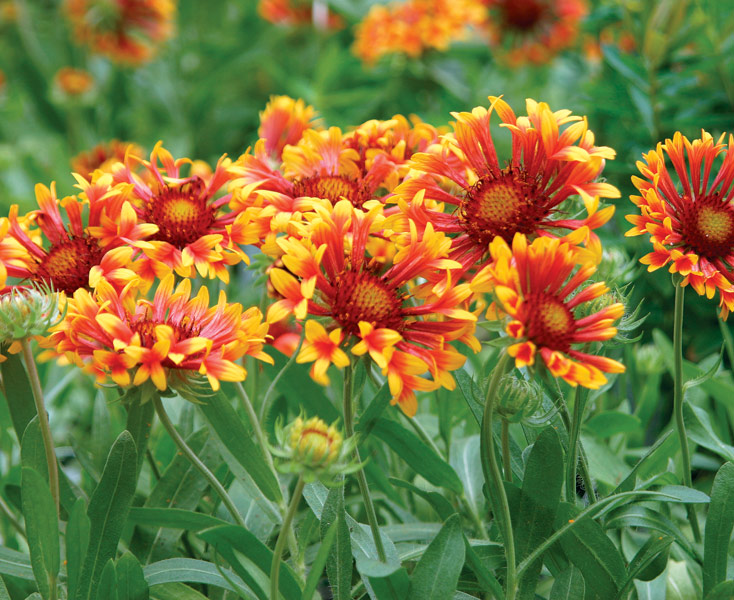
(361, 479)
(276, 379)
(282, 536)
(195, 461)
(678, 401)
(506, 462)
(48, 442)
(493, 477)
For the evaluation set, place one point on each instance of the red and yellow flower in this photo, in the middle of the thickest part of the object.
(283, 122)
(322, 168)
(539, 286)
(689, 214)
(296, 12)
(126, 31)
(195, 231)
(125, 337)
(414, 26)
(371, 307)
(77, 255)
(103, 156)
(533, 30)
(73, 82)
(553, 158)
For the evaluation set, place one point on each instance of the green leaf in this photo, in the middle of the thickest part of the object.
(139, 422)
(650, 560)
(465, 460)
(392, 587)
(339, 567)
(611, 422)
(15, 564)
(641, 516)
(189, 570)
(107, 586)
(228, 538)
(437, 573)
(592, 552)
(4, 595)
(77, 542)
(18, 393)
(174, 518)
(317, 567)
(107, 511)
(42, 530)
(440, 504)
(408, 447)
(681, 493)
(539, 498)
(653, 461)
(679, 582)
(131, 584)
(723, 591)
(374, 410)
(243, 456)
(175, 591)
(699, 429)
(704, 377)
(568, 585)
(472, 394)
(719, 525)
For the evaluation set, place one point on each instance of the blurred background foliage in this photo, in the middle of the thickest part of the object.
(638, 69)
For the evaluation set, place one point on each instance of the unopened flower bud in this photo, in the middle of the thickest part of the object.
(517, 399)
(27, 312)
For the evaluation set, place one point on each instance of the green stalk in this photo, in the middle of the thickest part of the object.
(493, 478)
(506, 462)
(196, 462)
(48, 442)
(283, 536)
(678, 401)
(276, 379)
(361, 479)
(573, 447)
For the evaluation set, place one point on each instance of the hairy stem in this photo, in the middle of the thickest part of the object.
(194, 460)
(283, 536)
(48, 442)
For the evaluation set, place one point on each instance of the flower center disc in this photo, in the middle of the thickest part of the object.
(708, 227)
(183, 214)
(523, 15)
(502, 206)
(145, 327)
(67, 265)
(332, 188)
(364, 297)
(550, 322)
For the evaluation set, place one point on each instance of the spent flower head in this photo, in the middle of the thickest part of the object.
(314, 450)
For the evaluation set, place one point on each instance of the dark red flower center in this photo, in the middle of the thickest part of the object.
(708, 226)
(549, 322)
(503, 206)
(332, 188)
(67, 264)
(363, 296)
(523, 15)
(183, 213)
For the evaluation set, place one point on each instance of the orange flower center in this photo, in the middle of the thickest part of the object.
(66, 266)
(502, 206)
(183, 214)
(364, 297)
(522, 15)
(708, 227)
(145, 327)
(550, 322)
(332, 188)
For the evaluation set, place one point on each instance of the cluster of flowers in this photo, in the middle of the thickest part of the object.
(381, 242)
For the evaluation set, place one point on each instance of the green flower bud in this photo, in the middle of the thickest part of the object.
(518, 399)
(28, 312)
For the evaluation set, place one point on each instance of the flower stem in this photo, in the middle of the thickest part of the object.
(361, 479)
(507, 464)
(276, 379)
(493, 478)
(256, 428)
(48, 442)
(282, 536)
(200, 466)
(678, 401)
(573, 447)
